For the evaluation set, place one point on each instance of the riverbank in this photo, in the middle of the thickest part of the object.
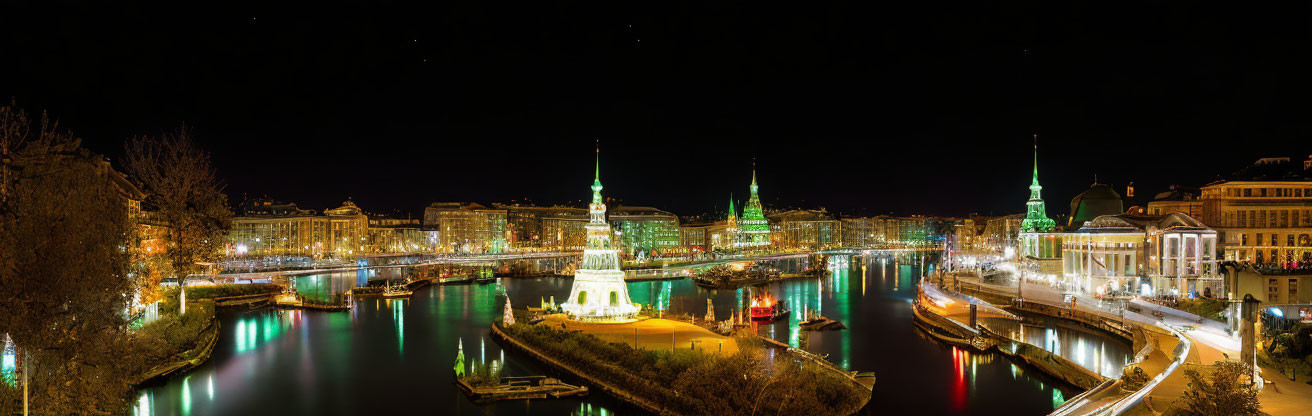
(940, 325)
(173, 344)
(698, 380)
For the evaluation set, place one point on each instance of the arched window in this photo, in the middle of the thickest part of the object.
(583, 297)
(614, 298)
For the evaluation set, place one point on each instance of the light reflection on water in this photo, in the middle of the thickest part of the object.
(396, 356)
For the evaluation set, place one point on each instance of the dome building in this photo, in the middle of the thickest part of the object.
(1100, 199)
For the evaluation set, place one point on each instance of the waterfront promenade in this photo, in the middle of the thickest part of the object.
(1208, 342)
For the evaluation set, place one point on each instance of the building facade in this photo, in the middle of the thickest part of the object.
(805, 230)
(467, 227)
(645, 232)
(1167, 254)
(268, 229)
(1264, 213)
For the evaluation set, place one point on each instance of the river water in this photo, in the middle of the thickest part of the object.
(396, 356)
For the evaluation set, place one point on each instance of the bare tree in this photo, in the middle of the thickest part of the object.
(182, 187)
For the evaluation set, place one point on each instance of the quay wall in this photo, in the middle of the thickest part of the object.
(983, 340)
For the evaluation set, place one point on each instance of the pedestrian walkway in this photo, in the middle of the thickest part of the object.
(1210, 340)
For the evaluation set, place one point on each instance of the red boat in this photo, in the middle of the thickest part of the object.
(767, 309)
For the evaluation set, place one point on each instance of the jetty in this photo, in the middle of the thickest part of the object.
(521, 388)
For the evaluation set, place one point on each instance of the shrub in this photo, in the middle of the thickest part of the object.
(1222, 392)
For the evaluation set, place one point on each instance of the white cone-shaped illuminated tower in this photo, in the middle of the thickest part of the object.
(599, 291)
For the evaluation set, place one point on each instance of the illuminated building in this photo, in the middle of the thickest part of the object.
(860, 232)
(1173, 253)
(532, 228)
(467, 227)
(268, 229)
(805, 229)
(754, 228)
(399, 235)
(1176, 200)
(1001, 233)
(1271, 286)
(1040, 240)
(599, 291)
(693, 237)
(565, 230)
(646, 231)
(1264, 212)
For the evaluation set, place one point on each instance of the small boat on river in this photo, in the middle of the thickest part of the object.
(821, 323)
(767, 309)
(395, 292)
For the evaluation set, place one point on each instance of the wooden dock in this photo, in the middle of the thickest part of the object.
(521, 388)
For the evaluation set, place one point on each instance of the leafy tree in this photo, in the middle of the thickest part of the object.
(1223, 393)
(64, 287)
(181, 185)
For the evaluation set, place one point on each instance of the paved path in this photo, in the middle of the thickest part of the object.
(652, 334)
(1210, 341)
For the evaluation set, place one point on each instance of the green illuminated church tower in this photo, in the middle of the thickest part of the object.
(753, 228)
(1036, 218)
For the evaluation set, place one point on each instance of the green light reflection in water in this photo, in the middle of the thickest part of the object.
(186, 396)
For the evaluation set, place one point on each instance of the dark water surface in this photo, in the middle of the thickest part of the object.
(396, 357)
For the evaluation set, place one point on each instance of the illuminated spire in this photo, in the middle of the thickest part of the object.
(1036, 217)
(1036, 161)
(733, 213)
(755, 228)
(596, 178)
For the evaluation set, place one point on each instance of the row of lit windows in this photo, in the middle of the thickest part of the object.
(1291, 240)
(1269, 192)
(1269, 218)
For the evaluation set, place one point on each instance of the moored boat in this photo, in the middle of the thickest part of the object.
(765, 308)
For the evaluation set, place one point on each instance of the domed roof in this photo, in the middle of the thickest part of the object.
(1099, 199)
(347, 208)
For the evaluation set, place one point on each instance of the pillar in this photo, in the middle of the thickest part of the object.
(1248, 333)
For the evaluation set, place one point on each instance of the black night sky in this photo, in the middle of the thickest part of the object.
(860, 107)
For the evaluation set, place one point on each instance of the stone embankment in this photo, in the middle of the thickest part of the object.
(185, 360)
(981, 339)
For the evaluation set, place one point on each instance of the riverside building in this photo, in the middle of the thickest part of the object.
(1263, 212)
(646, 232)
(1147, 254)
(467, 227)
(269, 229)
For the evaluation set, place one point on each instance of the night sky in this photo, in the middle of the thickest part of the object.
(859, 107)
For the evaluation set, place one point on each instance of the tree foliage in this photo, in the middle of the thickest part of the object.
(182, 187)
(1224, 392)
(64, 285)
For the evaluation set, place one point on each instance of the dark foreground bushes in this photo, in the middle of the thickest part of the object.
(693, 382)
